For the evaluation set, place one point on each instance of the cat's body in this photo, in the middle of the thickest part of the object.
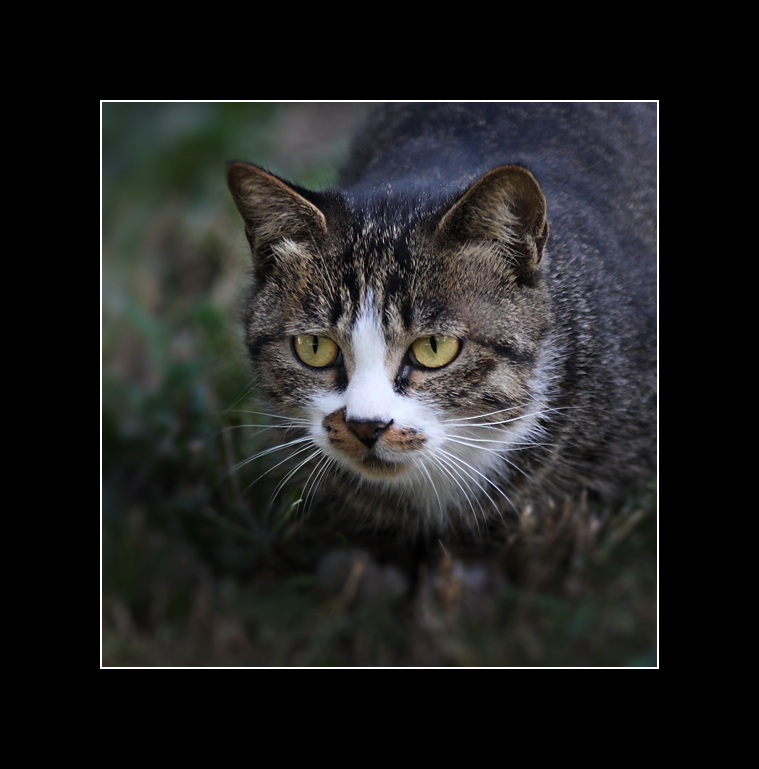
(447, 361)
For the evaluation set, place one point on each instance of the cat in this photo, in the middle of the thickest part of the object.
(464, 329)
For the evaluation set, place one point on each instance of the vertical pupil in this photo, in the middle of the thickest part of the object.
(433, 344)
(315, 343)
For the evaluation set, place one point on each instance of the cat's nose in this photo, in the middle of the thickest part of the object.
(368, 432)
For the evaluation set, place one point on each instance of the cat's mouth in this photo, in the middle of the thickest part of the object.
(385, 457)
(373, 467)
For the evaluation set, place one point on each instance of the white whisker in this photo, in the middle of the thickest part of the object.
(260, 429)
(274, 467)
(480, 416)
(270, 450)
(288, 419)
(317, 474)
(453, 470)
(292, 472)
(484, 477)
(540, 413)
(420, 464)
(500, 446)
(247, 390)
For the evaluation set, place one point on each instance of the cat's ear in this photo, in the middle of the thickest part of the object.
(505, 208)
(276, 215)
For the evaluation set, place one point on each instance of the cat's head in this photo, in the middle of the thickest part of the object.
(404, 335)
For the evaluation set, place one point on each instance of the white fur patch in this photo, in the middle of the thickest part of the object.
(370, 395)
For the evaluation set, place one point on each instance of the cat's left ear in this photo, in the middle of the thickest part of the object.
(505, 208)
(275, 213)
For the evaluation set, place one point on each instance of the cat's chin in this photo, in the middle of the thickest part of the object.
(376, 469)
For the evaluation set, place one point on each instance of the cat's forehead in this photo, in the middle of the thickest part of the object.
(374, 271)
(380, 242)
(383, 262)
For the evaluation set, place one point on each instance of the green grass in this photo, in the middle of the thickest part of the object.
(196, 568)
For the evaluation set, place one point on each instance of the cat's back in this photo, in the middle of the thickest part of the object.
(609, 144)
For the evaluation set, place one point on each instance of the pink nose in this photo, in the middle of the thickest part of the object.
(368, 432)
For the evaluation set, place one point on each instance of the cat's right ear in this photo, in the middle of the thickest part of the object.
(277, 217)
(507, 209)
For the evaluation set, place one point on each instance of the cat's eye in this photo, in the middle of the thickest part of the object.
(316, 351)
(434, 351)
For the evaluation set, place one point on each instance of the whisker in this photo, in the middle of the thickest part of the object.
(289, 419)
(322, 466)
(540, 413)
(484, 477)
(503, 451)
(270, 450)
(242, 493)
(292, 472)
(453, 470)
(247, 390)
(500, 445)
(260, 429)
(465, 440)
(480, 416)
(274, 467)
(461, 464)
(418, 462)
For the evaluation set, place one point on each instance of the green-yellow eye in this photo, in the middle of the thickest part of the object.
(317, 351)
(434, 351)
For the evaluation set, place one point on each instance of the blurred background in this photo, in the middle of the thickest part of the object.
(197, 567)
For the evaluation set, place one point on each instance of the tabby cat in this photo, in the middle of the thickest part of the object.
(444, 363)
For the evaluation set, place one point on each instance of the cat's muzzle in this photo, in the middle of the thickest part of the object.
(374, 448)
